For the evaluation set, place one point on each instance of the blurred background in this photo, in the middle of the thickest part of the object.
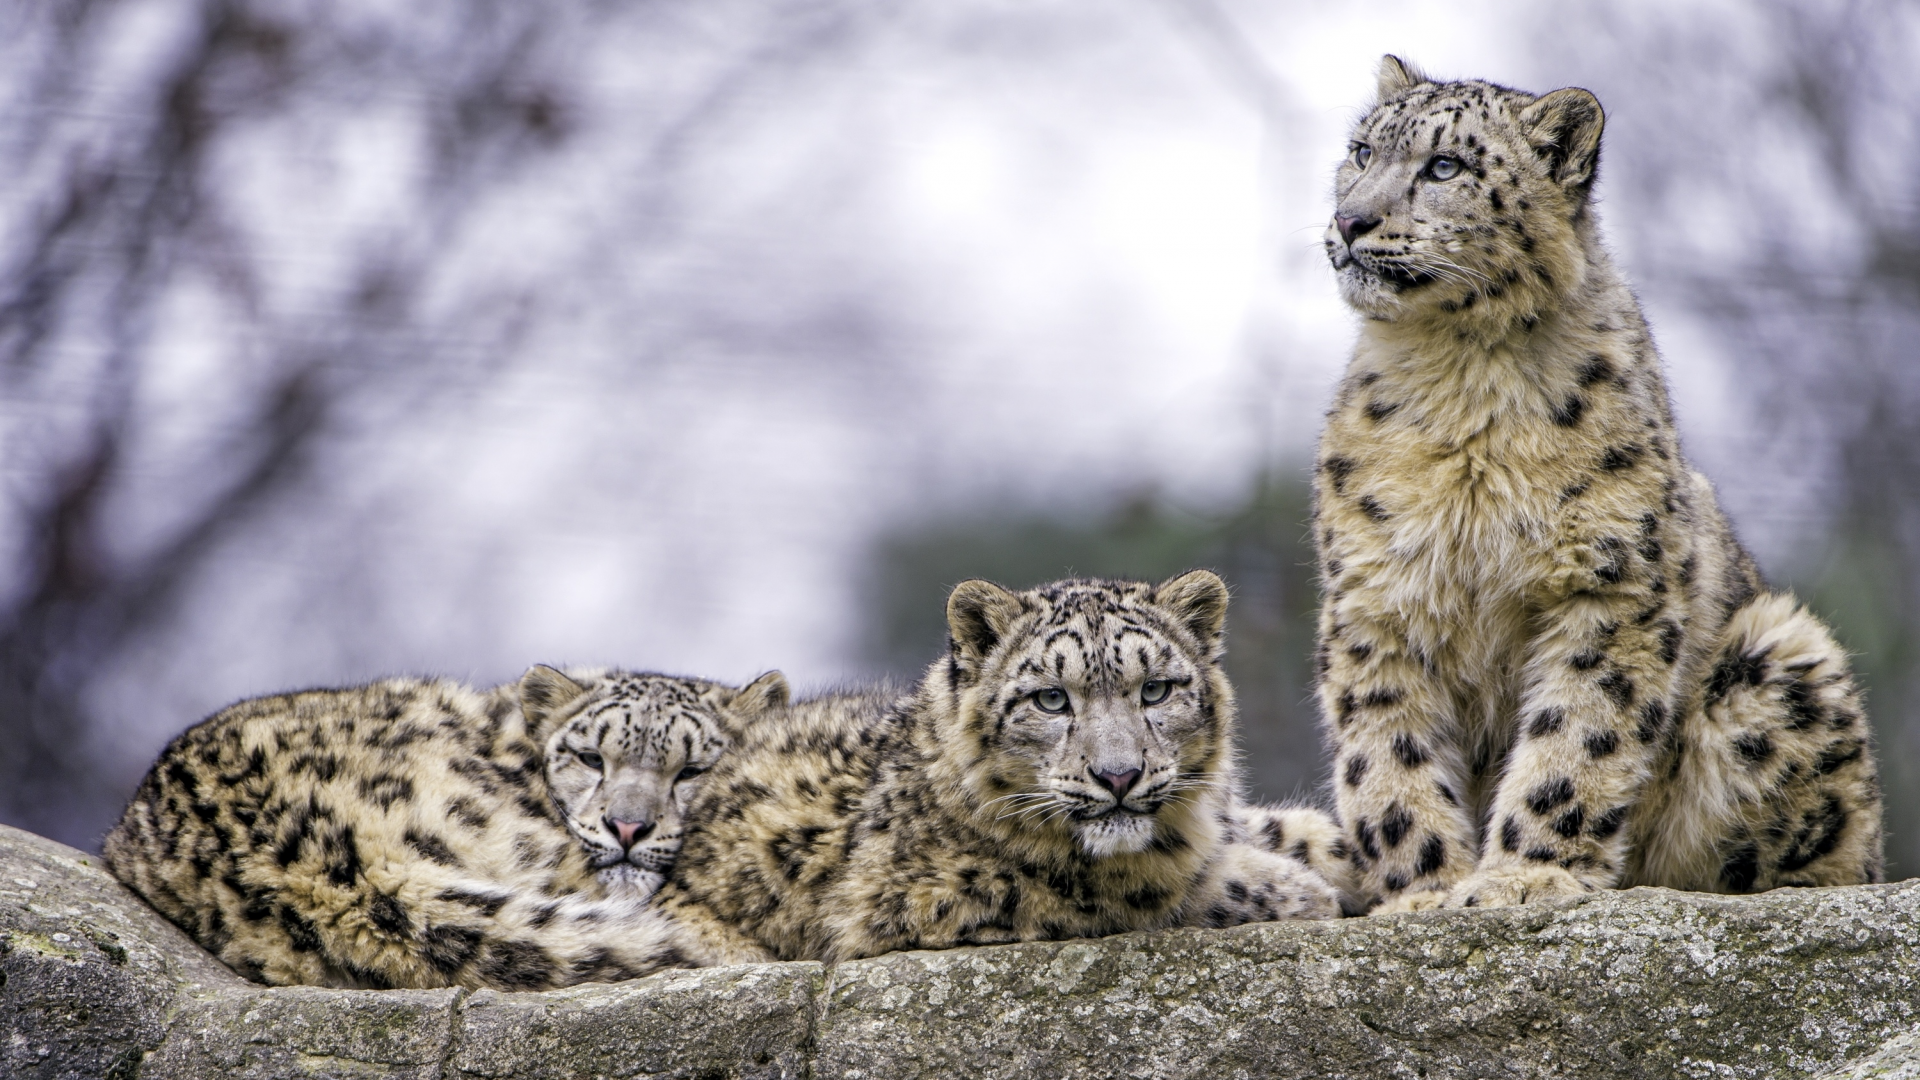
(345, 339)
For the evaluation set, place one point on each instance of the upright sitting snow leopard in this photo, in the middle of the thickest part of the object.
(1546, 665)
(1065, 770)
(417, 833)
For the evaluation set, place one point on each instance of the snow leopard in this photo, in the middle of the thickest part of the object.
(1545, 664)
(1064, 770)
(417, 832)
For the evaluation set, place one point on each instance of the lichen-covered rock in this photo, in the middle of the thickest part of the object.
(1810, 983)
(754, 1021)
(1896, 1059)
(1644, 983)
(87, 972)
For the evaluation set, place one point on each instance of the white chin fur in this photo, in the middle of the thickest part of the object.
(1114, 834)
(1367, 294)
(629, 882)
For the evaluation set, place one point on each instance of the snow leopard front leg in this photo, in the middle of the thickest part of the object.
(1399, 777)
(1593, 716)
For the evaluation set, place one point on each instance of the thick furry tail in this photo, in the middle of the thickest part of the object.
(509, 942)
(1302, 832)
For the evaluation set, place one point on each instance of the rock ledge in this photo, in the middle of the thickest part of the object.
(1644, 983)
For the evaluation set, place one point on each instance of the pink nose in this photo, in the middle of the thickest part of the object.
(1353, 226)
(1118, 782)
(630, 832)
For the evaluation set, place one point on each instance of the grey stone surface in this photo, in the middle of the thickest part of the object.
(750, 1021)
(263, 1033)
(1896, 1059)
(1796, 984)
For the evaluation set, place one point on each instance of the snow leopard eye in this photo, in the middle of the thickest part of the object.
(688, 773)
(1444, 168)
(590, 759)
(1154, 691)
(1052, 699)
(1361, 154)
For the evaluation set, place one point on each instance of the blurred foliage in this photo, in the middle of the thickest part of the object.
(1260, 546)
(1851, 590)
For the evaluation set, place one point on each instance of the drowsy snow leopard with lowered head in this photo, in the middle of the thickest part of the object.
(418, 833)
(1545, 663)
(1065, 770)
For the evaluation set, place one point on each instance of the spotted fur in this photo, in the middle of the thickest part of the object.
(1546, 664)
(1064, 771)
(418, 833)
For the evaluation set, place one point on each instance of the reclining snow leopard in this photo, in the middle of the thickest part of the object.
(419, 833)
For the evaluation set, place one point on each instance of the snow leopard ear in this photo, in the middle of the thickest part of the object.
(759, 697)
(544, 692)
(1397, 77)
(1198, 598)
(979, 614)
(1564, 128)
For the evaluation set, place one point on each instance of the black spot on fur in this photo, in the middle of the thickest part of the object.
(1147, 898)
(342, 855)
(1803, 708)
(1570, 823)
(1608, 823)
(1510, 835)
(1380, 410)
(1837, 755)
(449, 948)
(1363, 832)
(1670, 638)
(1653, 720)
(431, 847)
(1553, 793)
(1739, 871)
(1740, 669)
(1338, 469)
(1546, 722)
(1573, 491)
(1819, 834)
(1620, 457)
(1615, 566)
(1372, 508)
(1616, 685)
(389, 914)
(1596, 370)
(1446, 793)
(484, 903)
(1356, 768)
(1755, 746)
(1381, 697)
(1433, 856)
(1394, 825)
(1601, 744)
(516, 965)
(1586, 659)
(1541, 854)
(1167, 841)
(1409, 751)
(1567, 413)
(302, 937)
